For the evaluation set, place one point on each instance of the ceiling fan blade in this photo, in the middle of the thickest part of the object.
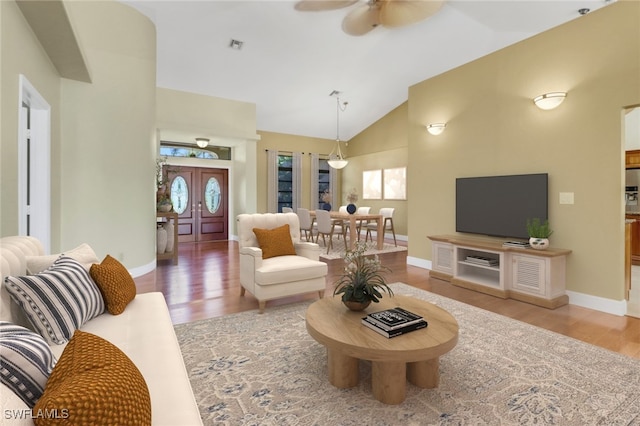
(361, 20)
(397, 13)
(319, 5)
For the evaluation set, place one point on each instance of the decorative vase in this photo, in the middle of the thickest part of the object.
(165, 206)
(161, 240)
(170, 237)
(351, 208)
(356, 306)
(539, 243)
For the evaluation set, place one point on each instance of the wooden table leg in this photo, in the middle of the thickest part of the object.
(388, 380)
(352, 232)
(424, 374)
(380, 232)
(343, 369)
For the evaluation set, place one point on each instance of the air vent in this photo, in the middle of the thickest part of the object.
(236, 44)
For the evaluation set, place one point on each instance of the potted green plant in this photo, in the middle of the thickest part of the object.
(539, 233)
(362, 281)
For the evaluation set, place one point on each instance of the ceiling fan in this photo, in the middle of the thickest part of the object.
(371, 13)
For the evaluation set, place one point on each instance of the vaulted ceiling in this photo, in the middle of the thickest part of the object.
(290, 61)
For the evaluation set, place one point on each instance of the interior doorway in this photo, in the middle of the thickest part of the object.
(200, 196)
(632, 217)
(34, 164)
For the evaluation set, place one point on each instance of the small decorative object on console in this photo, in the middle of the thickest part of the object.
(539, 233)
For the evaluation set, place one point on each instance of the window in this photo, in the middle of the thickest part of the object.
(324, 184)
(285, 181)
(180, 149)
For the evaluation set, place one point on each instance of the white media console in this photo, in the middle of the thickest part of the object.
(485, 265)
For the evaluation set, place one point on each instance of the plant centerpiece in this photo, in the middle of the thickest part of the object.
(326, 200)
(539, 233)
(362, 281)
(352, 197)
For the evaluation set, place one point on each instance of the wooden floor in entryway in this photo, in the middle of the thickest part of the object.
(205, 284)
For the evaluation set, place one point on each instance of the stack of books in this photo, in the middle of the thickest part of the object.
(394, 322)
(517, 244)
(481, 260)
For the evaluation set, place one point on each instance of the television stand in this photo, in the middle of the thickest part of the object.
(489, 266)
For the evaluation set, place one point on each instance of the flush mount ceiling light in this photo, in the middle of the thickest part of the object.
(202, 142)
(436, 128)
(336, 159)
(549, 100)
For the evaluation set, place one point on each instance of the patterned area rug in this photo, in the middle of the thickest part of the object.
(251, 369)
(338, 249)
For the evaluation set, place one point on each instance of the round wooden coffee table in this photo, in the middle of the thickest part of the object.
(413, 356)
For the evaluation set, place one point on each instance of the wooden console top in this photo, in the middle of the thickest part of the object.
(496, 245)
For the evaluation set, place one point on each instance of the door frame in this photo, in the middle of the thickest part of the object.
(34, 179)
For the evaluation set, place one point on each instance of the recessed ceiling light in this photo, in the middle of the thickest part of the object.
(236, 44)
(584, 11)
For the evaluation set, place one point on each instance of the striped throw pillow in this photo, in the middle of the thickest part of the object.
(26, 362)
(59, 300)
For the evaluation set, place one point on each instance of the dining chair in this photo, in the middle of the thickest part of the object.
(306, 224)
(287, 210)
(325, 226)
(360, 223)
(387, 217)
(341, 223)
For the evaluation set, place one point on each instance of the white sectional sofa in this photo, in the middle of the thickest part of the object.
(144, 333)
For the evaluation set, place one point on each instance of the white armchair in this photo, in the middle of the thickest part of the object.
(278, 276)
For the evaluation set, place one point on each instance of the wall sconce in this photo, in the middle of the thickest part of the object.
(436, 128)
(202, 142)
(549, 100)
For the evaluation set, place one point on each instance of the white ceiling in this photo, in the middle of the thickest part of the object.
(291, 61)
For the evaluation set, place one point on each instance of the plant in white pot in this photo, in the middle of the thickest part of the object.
(539, 233)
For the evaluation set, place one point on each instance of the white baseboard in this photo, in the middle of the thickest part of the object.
(420, 263)
(615, 307)
(610, 306)
(141, 270)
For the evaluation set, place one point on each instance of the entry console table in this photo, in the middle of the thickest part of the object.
(528, 275)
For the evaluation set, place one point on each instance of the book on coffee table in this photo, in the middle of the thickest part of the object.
(391, 319)
(397, 331)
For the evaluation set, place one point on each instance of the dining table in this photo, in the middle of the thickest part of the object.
(352, 220)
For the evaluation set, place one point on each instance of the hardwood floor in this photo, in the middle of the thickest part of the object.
(205, 284)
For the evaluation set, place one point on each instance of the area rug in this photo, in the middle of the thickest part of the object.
(251, 369)
(338, 248)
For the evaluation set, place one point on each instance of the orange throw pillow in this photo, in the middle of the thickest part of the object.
(115, 284)
(94, 383)
(275, 242)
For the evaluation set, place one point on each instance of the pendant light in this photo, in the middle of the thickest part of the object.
(336, 159)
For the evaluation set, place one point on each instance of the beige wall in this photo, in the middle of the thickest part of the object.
(494, 128)
(103, 140)
(205, 115)
(108, 132)
(382, 145)
(21, 53)
(291, 143)
(183, 116)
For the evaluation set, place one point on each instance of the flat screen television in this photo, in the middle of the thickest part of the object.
(499, 206)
